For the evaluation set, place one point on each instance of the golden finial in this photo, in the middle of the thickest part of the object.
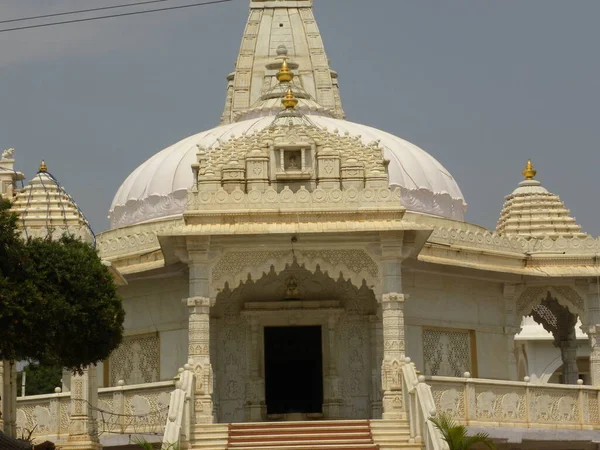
(43, 167)
(285, 75)
(529, 172)
(289, 101)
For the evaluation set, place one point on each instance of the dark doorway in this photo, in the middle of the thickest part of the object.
(293, 370)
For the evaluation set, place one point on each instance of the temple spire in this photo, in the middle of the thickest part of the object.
(281, 33)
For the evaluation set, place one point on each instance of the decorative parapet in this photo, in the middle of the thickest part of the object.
(130, 242)
(495, 403)
(136, 409)
(577, 245)
(221, 201)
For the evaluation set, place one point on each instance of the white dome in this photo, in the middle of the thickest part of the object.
(158, 188)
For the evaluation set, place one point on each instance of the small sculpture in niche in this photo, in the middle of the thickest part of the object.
(293, 164)
(293, 160)
(292, 292)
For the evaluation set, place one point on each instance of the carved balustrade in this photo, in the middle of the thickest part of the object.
(123, 409)
(419, 406)
(496, 403)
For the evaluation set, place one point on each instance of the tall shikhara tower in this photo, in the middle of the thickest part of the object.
(279, 29)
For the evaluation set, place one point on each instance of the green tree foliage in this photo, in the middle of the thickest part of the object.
(59, 302)
(39, 379)
(456, 435)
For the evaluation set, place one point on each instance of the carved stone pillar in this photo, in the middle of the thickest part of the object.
(257, 170)
(568, 353)
(199, 357)
(376, 338)
(594, 337)
(332, 403)
(83, 426)
(593, 329)
(8, 398)
(256, 408)
(392, 312)
(510, 329)
(393, 355)
(199, 305)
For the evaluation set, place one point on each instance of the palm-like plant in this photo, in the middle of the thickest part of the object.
(456, 435)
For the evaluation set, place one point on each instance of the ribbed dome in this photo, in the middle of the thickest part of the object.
(158, 188)
(45, 208)
(532, 211)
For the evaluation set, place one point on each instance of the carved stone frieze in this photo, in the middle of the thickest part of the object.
(133, 240)
(530, 296)
(577, 245)
(354, 264)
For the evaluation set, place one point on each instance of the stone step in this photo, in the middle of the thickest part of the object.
(318, 446)
(292, 430)
(293, 435)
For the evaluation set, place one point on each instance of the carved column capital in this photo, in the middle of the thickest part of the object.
(199, 302)
(393, 300)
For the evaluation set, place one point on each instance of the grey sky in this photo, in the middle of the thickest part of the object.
(482, 86)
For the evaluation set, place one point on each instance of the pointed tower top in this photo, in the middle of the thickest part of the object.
(529, 173)
(533, 212)
(47, 210)
(43, 168)
(277, 30)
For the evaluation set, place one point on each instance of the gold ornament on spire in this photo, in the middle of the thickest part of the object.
(43, 167)
(285, 75)
(529, 172)
(289, 101)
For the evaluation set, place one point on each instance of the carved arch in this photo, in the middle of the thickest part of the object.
(566, 296)
(236, 267)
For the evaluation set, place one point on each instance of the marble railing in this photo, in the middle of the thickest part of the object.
(497, 403)
(179, 418)
(419, 407)
(136, 409)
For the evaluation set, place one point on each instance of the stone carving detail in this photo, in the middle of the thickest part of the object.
(532, 296)
(141, 238)
(448, 400)
(8, 153)
(231, 369)
(577, 245)
(551, 406)
(492, 402)
(499, 404)
(36, 418)
(447, 352)
(136, 361)
(234, 267)
(303, 199)
(354, 369)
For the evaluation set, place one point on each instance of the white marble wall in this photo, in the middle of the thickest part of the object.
(155, 305)
(451, 302)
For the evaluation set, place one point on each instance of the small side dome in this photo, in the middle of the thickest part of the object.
(46, 209)
(531, 211)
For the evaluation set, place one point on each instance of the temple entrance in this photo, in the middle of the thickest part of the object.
(293, 370)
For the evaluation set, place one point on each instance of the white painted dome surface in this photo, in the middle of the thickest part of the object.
(158, 188)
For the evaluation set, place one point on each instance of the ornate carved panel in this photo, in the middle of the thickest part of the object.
(354, 365)
(136, 361)
(231, 368)
(447, 352)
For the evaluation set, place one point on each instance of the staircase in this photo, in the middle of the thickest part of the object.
(308, 435)
(314, 435)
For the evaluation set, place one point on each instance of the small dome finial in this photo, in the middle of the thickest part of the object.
(43, 167)
(289, 101)
(529, 172)
(285, 75)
